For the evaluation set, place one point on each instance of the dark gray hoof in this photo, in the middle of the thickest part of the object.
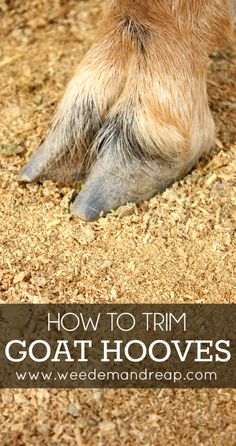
(111, 185)
(49, 162)
(88, 205)
(27, 175)
(37, 167)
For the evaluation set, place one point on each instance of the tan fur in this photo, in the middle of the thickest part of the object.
(161, 87)
(138, 102)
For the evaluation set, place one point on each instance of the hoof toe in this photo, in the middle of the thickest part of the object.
(87, 207)
(26, 175)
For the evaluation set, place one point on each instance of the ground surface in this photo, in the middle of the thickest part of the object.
(177, 248)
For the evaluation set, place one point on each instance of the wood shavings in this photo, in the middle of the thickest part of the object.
(178, 247)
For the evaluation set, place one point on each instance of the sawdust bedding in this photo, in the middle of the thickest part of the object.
(179, 247)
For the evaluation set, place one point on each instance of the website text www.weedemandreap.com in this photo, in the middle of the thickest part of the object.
(99, 346)
(111, 376)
